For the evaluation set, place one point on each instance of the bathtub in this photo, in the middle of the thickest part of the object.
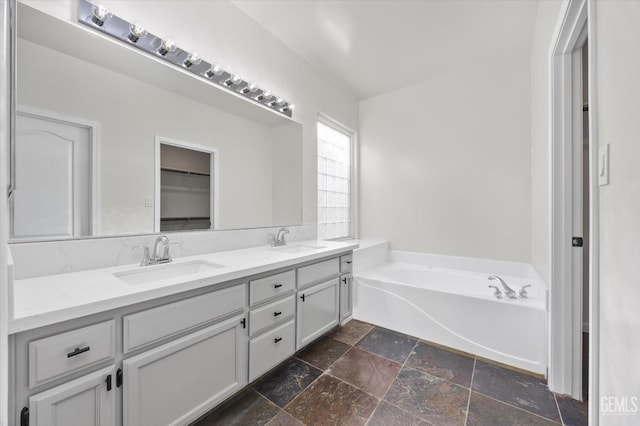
(425, 296)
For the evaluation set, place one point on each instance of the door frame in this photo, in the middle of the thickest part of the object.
(565, 325)
(93, 128)
(213, 199)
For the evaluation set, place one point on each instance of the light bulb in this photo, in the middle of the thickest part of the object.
(289, 107)
(136, 31)
(250, 87)
(233, 79)
(265, 95)
(279, 101)
(192, 59)
(99, 14)
(213, 71)
(166, 46)
(217, 69)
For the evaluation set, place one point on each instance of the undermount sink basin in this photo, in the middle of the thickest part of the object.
(296, 248)
(147, 274)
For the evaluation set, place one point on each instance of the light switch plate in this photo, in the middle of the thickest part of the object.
(603, 165)
(148, 201)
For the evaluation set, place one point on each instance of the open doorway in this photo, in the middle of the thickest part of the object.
(185, 187)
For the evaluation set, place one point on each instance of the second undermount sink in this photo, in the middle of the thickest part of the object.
(299, 248)
(147, 274)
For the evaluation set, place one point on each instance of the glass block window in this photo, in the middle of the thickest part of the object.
(334, 183)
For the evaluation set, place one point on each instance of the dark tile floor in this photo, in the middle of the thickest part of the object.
(360, 374)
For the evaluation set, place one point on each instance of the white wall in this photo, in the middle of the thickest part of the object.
(548, 14)
(445, 165)
(618, 91)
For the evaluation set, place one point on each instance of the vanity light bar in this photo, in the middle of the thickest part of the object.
(99, 18)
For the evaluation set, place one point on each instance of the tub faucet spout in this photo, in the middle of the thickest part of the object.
(511, 294)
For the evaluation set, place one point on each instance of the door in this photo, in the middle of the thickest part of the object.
(346, 301)
(317, 311)
(87, 401)
(58, 205)
(579, 216)
(181, 380)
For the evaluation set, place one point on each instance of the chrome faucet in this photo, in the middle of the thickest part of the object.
(161, 250)
(497, 293)
(278, 239)
(523, 291)
(511, 294)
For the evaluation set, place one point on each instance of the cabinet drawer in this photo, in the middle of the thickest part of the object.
(270, 349)
(275, 312)
(318, 272)
(346, 263)
(272, 286)
(154, 324)
(53, 357)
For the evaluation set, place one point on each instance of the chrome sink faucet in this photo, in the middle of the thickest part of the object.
(278, 239)
(160, 252)
(511, 294)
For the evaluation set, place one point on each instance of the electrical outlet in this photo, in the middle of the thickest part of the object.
(148, 201)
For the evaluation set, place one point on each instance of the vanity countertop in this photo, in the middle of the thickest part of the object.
(46, 300)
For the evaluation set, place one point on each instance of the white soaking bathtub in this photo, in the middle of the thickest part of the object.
(423, 296)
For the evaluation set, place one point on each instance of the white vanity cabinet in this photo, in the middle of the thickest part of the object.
(346, 286)
(271, 321)
(317, 311)
(169, 361)
(176, 383)
(87, 401)
(317, 301)
(346, 296)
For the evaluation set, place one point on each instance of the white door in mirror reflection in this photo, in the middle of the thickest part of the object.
(53, 179)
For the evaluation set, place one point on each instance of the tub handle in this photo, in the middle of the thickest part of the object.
(497, 293)
(523, 291)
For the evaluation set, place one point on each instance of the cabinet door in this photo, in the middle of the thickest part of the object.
(87, 401)
(346, 301)
(317, 311)
(181, 380)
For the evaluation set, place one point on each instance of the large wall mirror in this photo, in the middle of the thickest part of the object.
(111, 141)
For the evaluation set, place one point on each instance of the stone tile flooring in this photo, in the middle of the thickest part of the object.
(361, 374)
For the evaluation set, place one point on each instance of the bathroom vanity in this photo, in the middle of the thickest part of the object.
(129, 346)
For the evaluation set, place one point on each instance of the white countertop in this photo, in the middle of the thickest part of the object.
(50, 299)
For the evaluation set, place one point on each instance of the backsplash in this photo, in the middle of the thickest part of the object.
(59, 257)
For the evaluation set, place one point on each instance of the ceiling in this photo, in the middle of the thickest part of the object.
(377, 46)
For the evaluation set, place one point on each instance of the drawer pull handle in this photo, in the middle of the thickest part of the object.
(275, 314)
(344, 280)
(78, 351)
(277, 285)
(348, 262)
(277, 339)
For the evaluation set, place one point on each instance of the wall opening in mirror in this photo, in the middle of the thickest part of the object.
(186, 186)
